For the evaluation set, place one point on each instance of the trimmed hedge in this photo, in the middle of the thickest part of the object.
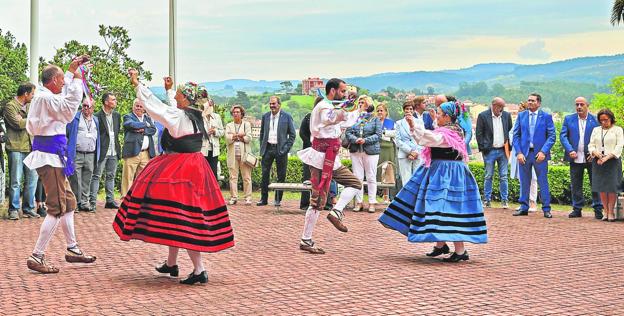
(558, 179)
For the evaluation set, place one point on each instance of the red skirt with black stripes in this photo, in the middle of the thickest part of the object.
(176, 201)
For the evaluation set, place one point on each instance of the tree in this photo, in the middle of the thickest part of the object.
(13, 65)
(430, 90)
(613, 101)
(242, 98)
(110, 64)
(286, 86)
(299, 88)
(617, 12)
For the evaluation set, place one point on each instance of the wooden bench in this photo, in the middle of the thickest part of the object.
(306, 186)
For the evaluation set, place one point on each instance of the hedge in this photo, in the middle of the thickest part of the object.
(558, 179)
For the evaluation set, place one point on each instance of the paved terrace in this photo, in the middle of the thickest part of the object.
(532, 266)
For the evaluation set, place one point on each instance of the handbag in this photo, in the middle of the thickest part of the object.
(251, 160)
(344, 141)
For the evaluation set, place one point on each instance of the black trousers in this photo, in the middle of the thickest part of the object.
(281, 162)
(305, 195)
(576, 187)
(213, 161)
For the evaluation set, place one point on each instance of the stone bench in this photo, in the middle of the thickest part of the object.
(306, 186)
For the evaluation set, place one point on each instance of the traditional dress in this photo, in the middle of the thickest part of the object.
(324, 165)
(176, 200)
(49, 114)
(441, 201)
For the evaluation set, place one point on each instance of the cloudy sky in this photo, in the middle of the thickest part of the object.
(292, 39)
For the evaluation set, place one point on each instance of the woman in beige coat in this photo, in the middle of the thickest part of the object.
(238, 139)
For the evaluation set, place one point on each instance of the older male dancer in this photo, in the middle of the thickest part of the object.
(321, 157)
(51, 109)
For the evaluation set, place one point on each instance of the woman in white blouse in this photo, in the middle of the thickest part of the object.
(175, 201)
(605, 147)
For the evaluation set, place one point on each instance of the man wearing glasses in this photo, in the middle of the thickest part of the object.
(277, 135)
(575, 135)
(534, 136)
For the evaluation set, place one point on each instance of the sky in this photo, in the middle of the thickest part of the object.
(292, 39)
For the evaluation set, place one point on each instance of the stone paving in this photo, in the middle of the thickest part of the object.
(532, 266)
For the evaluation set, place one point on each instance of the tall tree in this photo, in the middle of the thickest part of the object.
(110, 64)
(13, 65)
(286, 86)
(617, 12)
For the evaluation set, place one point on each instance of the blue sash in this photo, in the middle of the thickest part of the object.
(56, 145)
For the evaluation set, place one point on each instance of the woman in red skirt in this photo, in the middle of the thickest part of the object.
(176, 201)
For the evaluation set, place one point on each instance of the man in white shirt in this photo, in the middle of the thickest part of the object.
(324, 164)
(52, 108)
(138, 147)
(574, 137)
(83, 146)
(277, 135)
(493, 126)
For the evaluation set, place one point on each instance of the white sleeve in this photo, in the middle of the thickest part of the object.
(425, 137)
(170, 117)
(64, 106)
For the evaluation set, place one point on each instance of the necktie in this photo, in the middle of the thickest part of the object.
(531, 126)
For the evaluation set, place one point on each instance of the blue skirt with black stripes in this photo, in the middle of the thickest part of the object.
(439, 203)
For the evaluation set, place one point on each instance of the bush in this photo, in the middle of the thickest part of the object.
(558, 179)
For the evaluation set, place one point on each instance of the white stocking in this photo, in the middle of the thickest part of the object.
(172, 259)
(197, 261)
(67, 225)
(311, 218)
(345, 197)
(48, 227)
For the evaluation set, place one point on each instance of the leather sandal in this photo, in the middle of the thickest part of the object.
(308, 245)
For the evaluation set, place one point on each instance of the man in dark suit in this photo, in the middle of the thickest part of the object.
(277, 135)
(493, 126)
(574, 137)
(110, 151)
(534, 136)
(138, 147)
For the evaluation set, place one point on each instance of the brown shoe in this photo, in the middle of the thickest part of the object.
(75, 255)
(40, 265)
(308, 245)
(335, 217)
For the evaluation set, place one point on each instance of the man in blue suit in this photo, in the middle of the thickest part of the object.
(277, 135)
(138, 147)
(574, 137)
(534, 136)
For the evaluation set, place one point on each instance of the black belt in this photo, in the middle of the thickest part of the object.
(498, 147)
(531, 149)
(271, 145)
(85, 152)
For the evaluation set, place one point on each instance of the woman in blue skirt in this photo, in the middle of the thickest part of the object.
(441, 202)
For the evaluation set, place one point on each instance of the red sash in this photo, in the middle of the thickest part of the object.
(330, 147)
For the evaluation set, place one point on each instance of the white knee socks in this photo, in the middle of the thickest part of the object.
(311, 218)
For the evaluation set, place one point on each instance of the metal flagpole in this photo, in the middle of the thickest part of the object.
(173, 34)
(34, 41)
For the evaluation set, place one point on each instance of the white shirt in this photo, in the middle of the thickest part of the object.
(111, 134)
(498, 136)
(145, 144)
(172, 118)
(273, 124)
(580, 149)
(86, 140)
(49, 114)
(325, 122)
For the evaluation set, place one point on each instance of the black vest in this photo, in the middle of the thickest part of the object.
(445, 153)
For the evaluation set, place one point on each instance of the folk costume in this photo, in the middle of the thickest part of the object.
(324, 166)
(176, 200)
(441, 201)
(49, 114)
